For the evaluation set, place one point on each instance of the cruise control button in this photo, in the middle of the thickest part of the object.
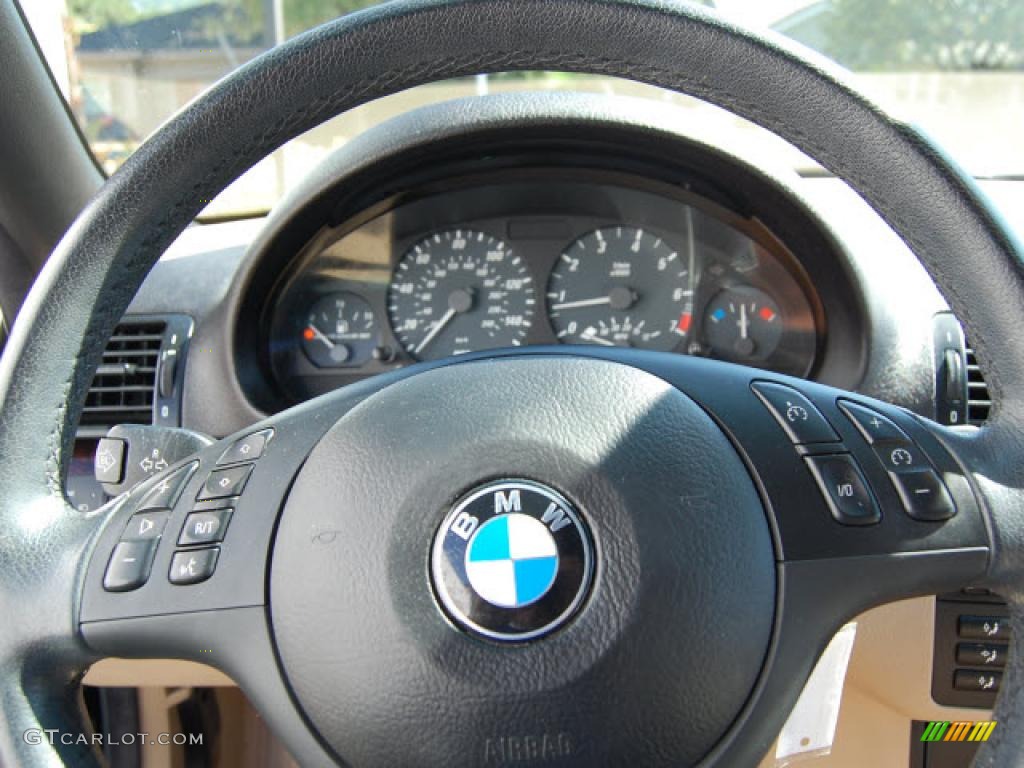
(145, 526)
(802, 422)
(164, 495)
(969, 680)
(248, 448)
(984, 628)
(129, 565)
(225, 482)
(900, 456)
(871, 424)
(924, 496)
(845, 489)
(193, 565)
(205, 527)
(981, 654)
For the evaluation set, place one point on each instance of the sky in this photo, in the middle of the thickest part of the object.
(761, 13)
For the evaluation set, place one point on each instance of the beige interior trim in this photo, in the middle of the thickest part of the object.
(887, 686)
(134, 673)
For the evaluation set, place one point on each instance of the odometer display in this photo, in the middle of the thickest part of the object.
(460, 291)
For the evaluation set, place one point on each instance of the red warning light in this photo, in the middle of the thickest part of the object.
(766, 314)
(684, 322)
(308, 334)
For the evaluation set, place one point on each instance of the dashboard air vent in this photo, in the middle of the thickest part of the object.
(124, 388)
(978, 401)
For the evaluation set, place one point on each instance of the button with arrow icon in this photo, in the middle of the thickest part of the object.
(145, 526)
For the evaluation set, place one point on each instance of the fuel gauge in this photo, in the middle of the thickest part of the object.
(340, 329)
(742, 324)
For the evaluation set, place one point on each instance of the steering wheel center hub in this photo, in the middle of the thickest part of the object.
(562, 548)
(512, 561)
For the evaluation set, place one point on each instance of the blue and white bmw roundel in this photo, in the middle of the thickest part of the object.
(511, 561)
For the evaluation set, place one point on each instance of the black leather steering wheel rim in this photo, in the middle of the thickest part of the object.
(57, 340)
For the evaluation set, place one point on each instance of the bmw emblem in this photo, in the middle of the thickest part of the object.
(512, 561)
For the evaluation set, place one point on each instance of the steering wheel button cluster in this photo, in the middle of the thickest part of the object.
(164, 495)
(129, 565)
(924, 496)
(248, 448)
(871, 424)
(223, 483)
(801, 420)
(145, 526)
(192, 566)
(205, 527)
(845, 489)
(900, 456)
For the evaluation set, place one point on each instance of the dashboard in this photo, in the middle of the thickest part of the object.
(540, 256)
(485, 203)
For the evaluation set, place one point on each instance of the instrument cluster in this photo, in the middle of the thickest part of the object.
(553, 260)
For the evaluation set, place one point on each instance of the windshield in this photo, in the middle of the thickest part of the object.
(954, 67)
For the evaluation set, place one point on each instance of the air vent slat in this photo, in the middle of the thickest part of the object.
(978, 401)
(111, 354)
(123, 389)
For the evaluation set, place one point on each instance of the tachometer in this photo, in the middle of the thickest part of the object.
(460, 291)
(622, 286)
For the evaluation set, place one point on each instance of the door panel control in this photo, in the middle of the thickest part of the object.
(129, 565)
(192, 566)
(924, 495)
(972, 645)
(223, 483)
(841, 482)
(248, 448)
(798, 417)
(205, 527)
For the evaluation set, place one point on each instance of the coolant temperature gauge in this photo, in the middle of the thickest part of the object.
(742, 324)
(340, 329)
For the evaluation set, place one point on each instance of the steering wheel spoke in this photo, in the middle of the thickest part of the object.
(180, 568)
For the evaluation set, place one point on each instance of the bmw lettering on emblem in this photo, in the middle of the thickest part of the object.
(512, 561)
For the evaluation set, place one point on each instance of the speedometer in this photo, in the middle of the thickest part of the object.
(622, 286)
(460, 291)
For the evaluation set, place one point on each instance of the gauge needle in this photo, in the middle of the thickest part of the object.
(744, 322)
(590, 334)
(318, 334)
(601, 300)
(438, 327)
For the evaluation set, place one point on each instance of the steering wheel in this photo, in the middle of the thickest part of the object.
(683, 536)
